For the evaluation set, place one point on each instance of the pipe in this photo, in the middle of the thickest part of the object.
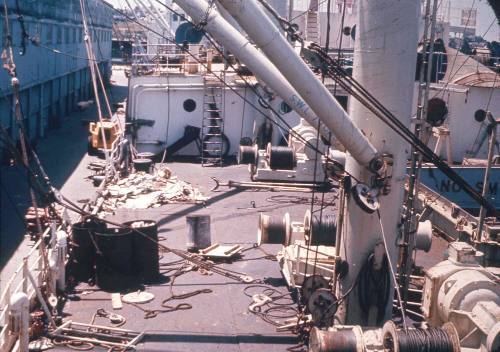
(340, 125)
(268, 37)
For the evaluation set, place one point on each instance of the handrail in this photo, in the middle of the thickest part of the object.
(31, 269)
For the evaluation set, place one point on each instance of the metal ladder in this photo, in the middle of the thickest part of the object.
(312, 22)
(212, 129)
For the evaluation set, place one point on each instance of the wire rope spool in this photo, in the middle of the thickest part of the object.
(281, 158)
(342, 340)
(273, 230)
(322, 305)
(320, 231)
(435, 339)
(248, 154)
(311, 284)
(365, 197)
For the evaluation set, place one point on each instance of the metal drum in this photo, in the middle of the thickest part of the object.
(145, 256)
(114, 267)
(198, 236)
(82, 257)
(142, 165)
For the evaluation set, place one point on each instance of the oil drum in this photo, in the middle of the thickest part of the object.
(198, 236)
(145, 256)
(114, 267)
(82, 257)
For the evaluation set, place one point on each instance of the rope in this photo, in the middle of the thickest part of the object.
(268, 304)
(167, 308)
(115, 319)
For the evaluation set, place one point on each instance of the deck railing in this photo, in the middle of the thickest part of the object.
(167, 58)
(28, 277)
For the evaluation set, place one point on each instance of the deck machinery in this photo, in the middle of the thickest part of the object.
(460, 296)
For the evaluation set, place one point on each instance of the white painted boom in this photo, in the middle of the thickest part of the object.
(333, 117)
(267, 36)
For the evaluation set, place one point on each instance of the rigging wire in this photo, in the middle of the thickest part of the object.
(305, 12)
(254, 106)
(10, 66)
(392, 269)
(371, 103)
(463, 35)
(453, 74)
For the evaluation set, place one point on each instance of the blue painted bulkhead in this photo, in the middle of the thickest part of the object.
(51, 82)
(437, 181)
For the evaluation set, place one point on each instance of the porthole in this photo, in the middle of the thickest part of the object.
(437, 111)
(285, 108)
(189, 105)
(480, 115)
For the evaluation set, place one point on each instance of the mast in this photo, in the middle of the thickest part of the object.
(384, 63)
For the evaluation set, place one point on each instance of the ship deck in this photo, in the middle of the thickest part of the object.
(219, 320)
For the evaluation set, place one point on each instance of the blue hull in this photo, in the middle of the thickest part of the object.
(437, 181)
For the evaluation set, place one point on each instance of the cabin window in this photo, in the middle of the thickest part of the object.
(189, 105)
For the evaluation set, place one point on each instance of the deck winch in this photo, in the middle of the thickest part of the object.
(298, 161)
(314, 230)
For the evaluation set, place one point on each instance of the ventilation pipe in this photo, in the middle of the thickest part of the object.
(267, 36)
(332, 115)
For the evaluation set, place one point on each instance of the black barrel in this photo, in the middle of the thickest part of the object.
(145, 256)
(82, 257)
(142, 164)
(114, 266)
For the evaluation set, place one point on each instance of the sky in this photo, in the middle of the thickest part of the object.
(485, 15)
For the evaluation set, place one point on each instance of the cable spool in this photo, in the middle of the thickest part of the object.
(281, 158)
(321, 232)
(443, 339)
(274, 231)
(248, 154)
(423, 236)
(343, 340)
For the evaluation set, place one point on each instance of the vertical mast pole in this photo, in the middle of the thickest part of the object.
(384, 63)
